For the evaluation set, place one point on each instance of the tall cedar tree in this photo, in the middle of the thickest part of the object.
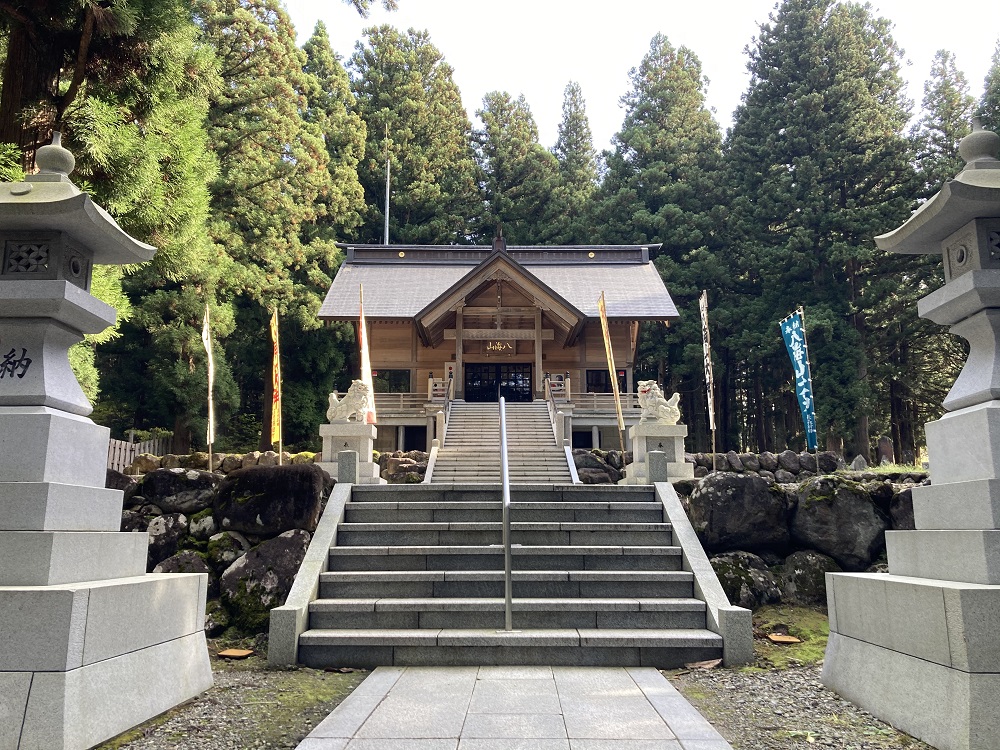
(661, 185)
(571, 205)
(819, 166)
(947, 118)
(272, 186)
(55, 48)
(128, 85)
(989, 105)
(518, 174)
(405, 89)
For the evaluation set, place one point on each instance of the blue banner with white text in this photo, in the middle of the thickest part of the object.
(794, 332)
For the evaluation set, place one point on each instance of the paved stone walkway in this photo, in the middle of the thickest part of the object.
(515, 708)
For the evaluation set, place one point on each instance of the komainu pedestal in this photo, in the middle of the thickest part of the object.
(919, 647)
(89, 644)
(647, 437)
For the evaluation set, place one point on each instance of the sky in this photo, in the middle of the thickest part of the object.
(535, 47)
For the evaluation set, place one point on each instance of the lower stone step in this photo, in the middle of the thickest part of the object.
(522, 532)
(406, 613)
(553, 584)
(458, 557)
(485, 511)
(663, 649)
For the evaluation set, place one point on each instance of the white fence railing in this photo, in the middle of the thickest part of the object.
(122, 453)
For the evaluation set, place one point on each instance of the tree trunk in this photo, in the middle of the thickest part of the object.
(25, 81)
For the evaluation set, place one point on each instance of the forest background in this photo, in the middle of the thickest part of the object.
(206, 131)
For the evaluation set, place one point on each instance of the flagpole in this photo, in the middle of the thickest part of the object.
(602, 308)
(276, 431)
(388, 161)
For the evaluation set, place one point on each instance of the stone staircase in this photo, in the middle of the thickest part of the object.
(416, 578)
(471, 450)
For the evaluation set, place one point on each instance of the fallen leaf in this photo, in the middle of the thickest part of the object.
(779, 638)
(235, 653)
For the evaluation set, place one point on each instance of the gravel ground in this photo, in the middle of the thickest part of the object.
(784, 709)
(249, 707)
(252, 707)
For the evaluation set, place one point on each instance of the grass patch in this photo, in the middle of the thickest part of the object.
(889, 469)
(809, 625)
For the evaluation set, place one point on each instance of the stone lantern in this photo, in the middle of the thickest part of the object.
(89, 644)
(919, 647)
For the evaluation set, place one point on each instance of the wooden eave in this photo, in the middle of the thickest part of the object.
(432, 321)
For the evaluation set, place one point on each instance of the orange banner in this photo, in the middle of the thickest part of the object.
(275, 382)
(602, 308)
(366, 362)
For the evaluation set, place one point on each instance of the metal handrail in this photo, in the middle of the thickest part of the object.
(505, 485)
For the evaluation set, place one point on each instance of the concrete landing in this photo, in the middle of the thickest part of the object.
(515, 708)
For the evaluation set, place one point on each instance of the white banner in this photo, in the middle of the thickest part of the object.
(706, 342)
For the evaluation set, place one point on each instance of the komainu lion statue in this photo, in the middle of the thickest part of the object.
(656, 408)
(354, 404)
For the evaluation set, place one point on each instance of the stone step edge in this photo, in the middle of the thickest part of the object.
(589, 576)
(552, 638)
(496, 604)
(517, 550)
(592, 526)
(495, 505)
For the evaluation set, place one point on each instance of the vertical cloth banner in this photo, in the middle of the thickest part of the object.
(275, 381)
(793, 330)
(706, 345)
(206, 339)
(603, 309)
(366, 361)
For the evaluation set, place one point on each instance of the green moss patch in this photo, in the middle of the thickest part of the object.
(809, 625)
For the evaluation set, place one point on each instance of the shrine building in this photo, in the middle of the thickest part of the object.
(474, 322)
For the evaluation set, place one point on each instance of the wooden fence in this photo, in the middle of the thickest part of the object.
(122, 453)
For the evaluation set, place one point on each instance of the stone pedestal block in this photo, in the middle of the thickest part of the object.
(45, 558)
(971, 555)
(665, 438)
(920, 654)
(51, 506)
(350, 436)
(957, 456)
(959, 505)
(41, 444)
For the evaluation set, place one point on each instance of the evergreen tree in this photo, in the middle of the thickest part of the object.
(518, 174)
(989, 105)
(274, 185)
(660, 181)
(661, 185)
(414, 115)
(818, 167)
(946, 120)
(571, 201)
(56, 48)
(331, 107)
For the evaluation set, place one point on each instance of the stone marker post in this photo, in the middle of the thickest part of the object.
(89, 644)
(920, 647)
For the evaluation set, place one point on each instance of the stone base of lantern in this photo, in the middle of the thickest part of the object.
(350, 436)
(84, 662)
(920, 654)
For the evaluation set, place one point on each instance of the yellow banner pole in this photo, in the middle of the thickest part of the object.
(603, 309)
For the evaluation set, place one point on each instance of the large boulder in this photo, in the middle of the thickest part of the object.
(901, 510)
(189, 561)
(262, 578)
(225, 548)
(768, 461)
(829, 462)
(739, 511)
(803, 576)
(144, 463)
(746, 579)
(179, 490)
(165, 534)
(586, 460)
(789, 461)
(837, 517)
(268, 500)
